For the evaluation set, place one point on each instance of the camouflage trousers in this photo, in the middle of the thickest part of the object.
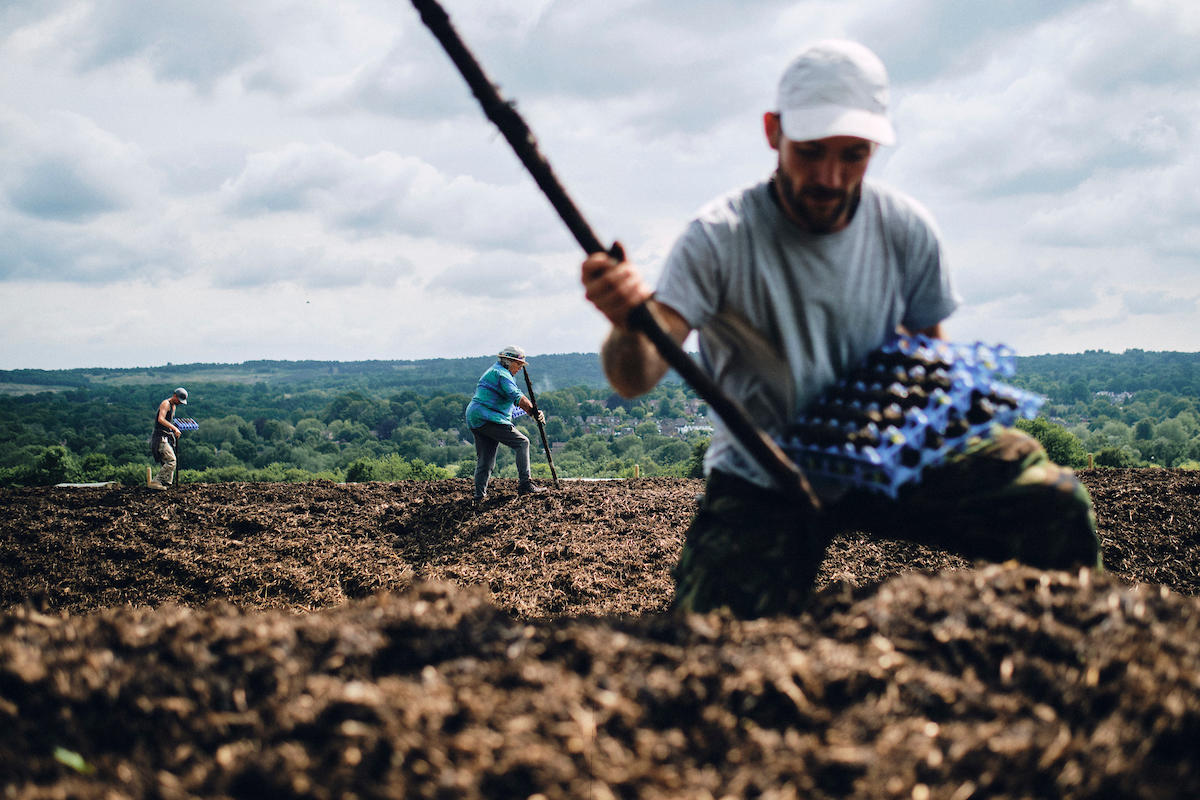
(757, 552)
(165, 453)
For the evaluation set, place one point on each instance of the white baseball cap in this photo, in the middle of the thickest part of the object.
(835, 87)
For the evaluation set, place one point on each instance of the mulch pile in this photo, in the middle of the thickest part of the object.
(387, 640)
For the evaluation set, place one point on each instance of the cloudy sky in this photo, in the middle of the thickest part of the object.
(292, 179)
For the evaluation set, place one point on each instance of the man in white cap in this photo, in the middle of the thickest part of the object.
(165, 439)
(489, 416)
(791, 283)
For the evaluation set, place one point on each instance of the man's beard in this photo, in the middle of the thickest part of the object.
(797, 204)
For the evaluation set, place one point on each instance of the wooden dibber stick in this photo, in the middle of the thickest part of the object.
(541, 426)
(504, 115)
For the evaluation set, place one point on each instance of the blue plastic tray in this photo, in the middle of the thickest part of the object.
(914, 401)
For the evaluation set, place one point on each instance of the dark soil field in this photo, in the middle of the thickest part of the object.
(387, 640)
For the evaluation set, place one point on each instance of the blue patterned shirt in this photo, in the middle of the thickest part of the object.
(495, 395)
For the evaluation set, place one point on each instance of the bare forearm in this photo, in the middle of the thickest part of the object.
(631, 363)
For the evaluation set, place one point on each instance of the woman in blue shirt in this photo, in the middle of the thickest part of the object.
(489, 416)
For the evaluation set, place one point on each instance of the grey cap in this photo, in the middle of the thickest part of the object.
(181, 393)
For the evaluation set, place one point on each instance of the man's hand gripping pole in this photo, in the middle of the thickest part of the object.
(510, 123)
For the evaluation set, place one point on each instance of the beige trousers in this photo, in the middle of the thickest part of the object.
(166, 472)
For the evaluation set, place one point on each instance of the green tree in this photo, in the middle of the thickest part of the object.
(556, 430)
(695, 465)
(447, 411)
(361, 471)
(225, 431)
(349, 432)
(274, 430)
(310, 431)
(646, 429)
(1076, 390)
(125, 448)
(54, 465)
(95, 467)
(627, 447)
(1115, 457)
(393, 468)
(590, 408)
(1114, 434)
(244, 451)
(1061, 445)
(1172, 430)
(354, 406)
(673, 452)
(1163, 452)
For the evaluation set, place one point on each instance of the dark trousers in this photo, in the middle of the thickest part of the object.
(488, 438)
(758, 552)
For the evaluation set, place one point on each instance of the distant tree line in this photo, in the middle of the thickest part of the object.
(355, 421)
(340, 431)
(1135, 408)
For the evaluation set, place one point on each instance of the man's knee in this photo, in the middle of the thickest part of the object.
(519, 442)
(1015, 445)
(1072, 532)
(1047, 517)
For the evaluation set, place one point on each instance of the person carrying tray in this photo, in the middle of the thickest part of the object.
(790, 284)
(165, 439)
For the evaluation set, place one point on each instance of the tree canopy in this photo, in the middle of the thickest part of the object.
(395, 420)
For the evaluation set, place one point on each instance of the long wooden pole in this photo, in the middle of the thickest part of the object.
(537, 417)
(510, 123)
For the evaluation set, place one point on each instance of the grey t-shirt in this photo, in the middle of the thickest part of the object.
(783, 313)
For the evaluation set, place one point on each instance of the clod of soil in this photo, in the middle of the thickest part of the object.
(387, 640)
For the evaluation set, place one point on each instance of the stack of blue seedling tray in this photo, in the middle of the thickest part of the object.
(912, 402)
(187, 424)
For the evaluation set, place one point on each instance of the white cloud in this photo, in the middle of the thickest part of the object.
(67, 168)
(386, 193)
(315, 181)
(508, 277)
(1155, 302)
(192, 42)
(1060, 161)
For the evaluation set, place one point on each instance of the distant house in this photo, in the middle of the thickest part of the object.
(671, 425)
(604, 426)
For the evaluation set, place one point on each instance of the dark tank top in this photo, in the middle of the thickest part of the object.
(160, 429)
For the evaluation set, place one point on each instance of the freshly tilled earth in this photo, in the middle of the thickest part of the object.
(388, 640)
